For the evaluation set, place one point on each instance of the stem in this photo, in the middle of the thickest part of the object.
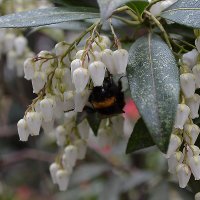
(160, 27)
(184, 42)
(117, 42)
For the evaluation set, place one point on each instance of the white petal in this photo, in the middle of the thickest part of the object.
(75, 64)
(197, 44)
(183, 173)
(54, 167)
(194, 163)
(80, 100)
(71, 153)
(23, 131)
(29, 69)
(38, 81)
(191, 132)
(120, 58)
(48, 126)
(81, 78)
(60, 133)
(193, 104)
(82, 149)
(20, 44)
(84, 129)
(196, 72)
(97, 71)
(190, 58)
(62, 177)
(68, 103)
(175, 159)
(197, 196)
(182, 114)
(187, 82)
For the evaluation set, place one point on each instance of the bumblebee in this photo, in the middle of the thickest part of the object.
(107, 99)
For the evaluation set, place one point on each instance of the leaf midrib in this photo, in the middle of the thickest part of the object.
(178, 9)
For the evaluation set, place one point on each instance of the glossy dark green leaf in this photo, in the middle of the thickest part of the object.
(154, 83)
(184, 12)
(41, 17)
(140, 138)
(138, 6)
(94, 121)
(108, 6)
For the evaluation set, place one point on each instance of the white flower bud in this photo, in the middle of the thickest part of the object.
(196, 72)
(197, 196)
(81, 78)
(47, 107)
(11, 59)
(29, 69)
(190, 58)
(80, 100)
(84, 129)
(120, 58)
(183, 173)
(193, 104)
(97, 72)
(71, 153)
(34, 121)
(9, 41)
(175, 159)
(197, 44)
(66, 164)
(174, 144)
(54, 167)
(62, 177)
(107, 59)
(38, 81)
(61, 48)
(191, 132)
(79, 55)
(23, 130)
(60, 133)
(194, 163)
(105, 40)
(187, 82)
(20, 44)
(75, 64)
(82, 149)
(191, 150)
(182, 114)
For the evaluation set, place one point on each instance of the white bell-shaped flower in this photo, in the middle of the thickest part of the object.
(191, 150)
(81, 78)
(187, 82)
(87, 59)
(11, 59)
(34, 121)
(69, 117)
(48, 126)
(60, 133)
(183, 174)
(59, 106)
(191, 132)
(156, 9)
(62, 179)
(47, 106)
(68, 103)
(54, 167)
(9, 41)
(29, 69)
(71, 153)
(23, 130)
(175, 159)
(38, 81)
(182, 114)
(82, 148)
(197, 196)
(107, 59)
(96, 56)
(97, 72)
(196, 72)
(174, 144)
(197, 44)
(20, 44)
(75, 64)
(105, 40)
(193, 104)
(84, 129)
(194, 163)
(80, 100)
(61, 48)
(190, 58)
(67, 79)
(66, 164)
(120, 58)
(105, 137)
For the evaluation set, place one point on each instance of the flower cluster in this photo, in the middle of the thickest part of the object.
(63, 80)
(183, 155)
(12, 42)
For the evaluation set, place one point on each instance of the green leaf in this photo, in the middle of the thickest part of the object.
(94, 121)
(108, 6)
(154, 83)
(41, 17)
(140, 138)
(184, 12)
(138, 6)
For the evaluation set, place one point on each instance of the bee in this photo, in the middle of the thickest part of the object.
(108, 99)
